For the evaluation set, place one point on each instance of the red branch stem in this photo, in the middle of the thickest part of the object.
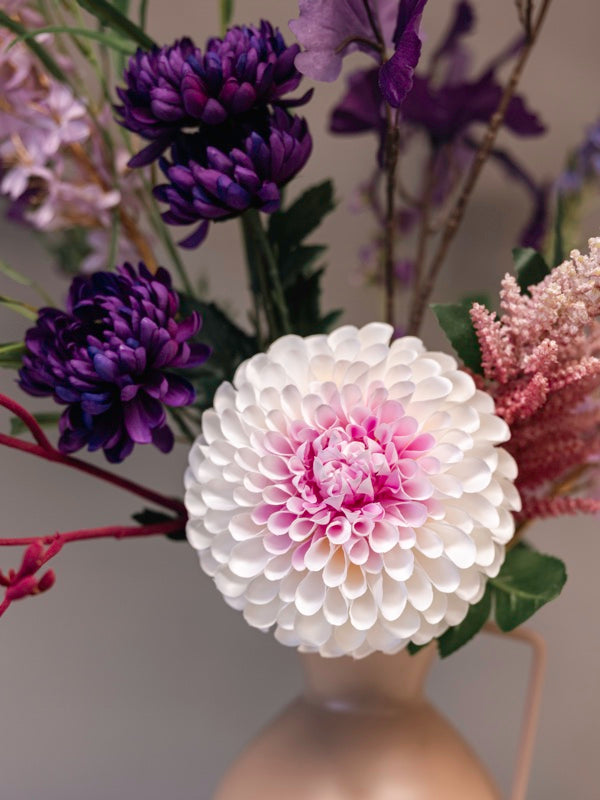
(111, 532)
(44, 449)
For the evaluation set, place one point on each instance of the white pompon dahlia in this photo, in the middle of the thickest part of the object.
(350, 492)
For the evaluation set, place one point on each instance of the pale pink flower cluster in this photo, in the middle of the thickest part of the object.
(541, 363)
(53, 164)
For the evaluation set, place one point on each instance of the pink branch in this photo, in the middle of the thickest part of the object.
(113, 531)
(44, 449)
(24, 583)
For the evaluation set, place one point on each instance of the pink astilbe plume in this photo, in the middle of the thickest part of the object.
(541, 364)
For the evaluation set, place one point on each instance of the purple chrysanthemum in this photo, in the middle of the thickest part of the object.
(238, 169)
(109, 357)
(152, 105)
(180, 86)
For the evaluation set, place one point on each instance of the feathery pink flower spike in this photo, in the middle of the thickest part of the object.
(541, 362)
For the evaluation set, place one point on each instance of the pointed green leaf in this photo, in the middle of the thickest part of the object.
(459, 635)
(300, 261)
(477, 297)
(109, 15)
(289, 228)
(304, 302)
(413, 648)
(230, 346)
(21, 308)
(113, 42)
(527, 581)
(455, 321)
(11, 355)
(45, 420)
(530, 267)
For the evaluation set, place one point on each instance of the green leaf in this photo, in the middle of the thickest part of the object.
(230, 346)
(477, 297)
(35, 47)
(530, 267)
(299, 262)
(45, 420)
(527, 581)
(413, 648)
(11, 355)
(112, 42)
(304, 302)
(150, 517)
(21, 308)
(455, 321)
(459, 635)
(110, 16)
(289, 228)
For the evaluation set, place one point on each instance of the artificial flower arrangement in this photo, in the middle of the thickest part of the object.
(347, 487)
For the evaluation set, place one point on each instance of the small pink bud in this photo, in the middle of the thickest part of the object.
(22, 588)
(32, 559)
(47, 581)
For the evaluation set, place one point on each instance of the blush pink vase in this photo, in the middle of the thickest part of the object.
(362, 730)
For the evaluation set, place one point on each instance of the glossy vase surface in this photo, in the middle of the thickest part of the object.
(361, 730)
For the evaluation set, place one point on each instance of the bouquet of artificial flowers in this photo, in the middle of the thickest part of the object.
(348, 487)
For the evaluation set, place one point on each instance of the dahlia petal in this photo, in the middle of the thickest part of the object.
(248, 559)
(310, 594)
(363, 612)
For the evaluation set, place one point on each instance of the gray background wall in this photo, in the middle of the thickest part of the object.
(131, 678)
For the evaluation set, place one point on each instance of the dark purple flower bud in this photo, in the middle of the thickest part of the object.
(180, 87)
(245, 169)
(110, 358)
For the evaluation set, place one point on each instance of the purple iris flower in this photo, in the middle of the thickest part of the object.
(112, 358)
(241, 167)
(328, 30)
(176, 87)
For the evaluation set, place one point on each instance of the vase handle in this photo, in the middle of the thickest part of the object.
(533, 701)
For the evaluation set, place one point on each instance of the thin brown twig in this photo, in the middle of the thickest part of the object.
(456, 216)
(392, 151)
(425, 224)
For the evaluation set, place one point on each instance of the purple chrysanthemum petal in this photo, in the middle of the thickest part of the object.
(226, 177)
(176, 87)
(109, 358)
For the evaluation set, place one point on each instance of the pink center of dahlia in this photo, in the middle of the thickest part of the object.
(359, 481)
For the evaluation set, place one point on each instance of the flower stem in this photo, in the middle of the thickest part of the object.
(44, 449)
(392, 152)
(111, 532)
(262, 261)
(456, 216)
